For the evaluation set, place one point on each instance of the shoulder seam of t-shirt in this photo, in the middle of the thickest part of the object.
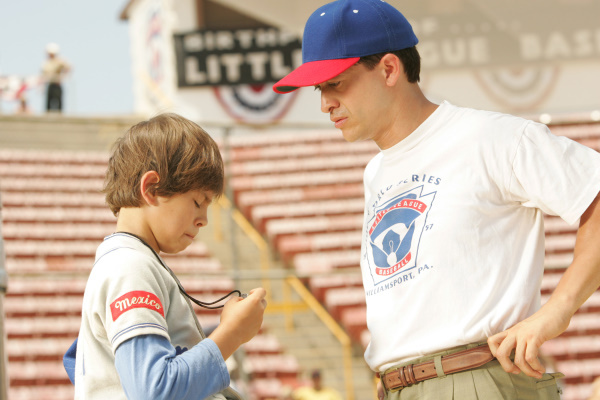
(114, 249)
(514, 156)
(137, 326)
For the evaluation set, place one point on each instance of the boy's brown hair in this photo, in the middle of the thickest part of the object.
(181, 152)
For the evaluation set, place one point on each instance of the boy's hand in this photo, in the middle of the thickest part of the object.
(241, 320)
(245, 315)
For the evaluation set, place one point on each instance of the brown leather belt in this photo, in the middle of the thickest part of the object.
(451, 363)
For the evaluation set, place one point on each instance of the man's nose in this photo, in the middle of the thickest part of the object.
(328, 103)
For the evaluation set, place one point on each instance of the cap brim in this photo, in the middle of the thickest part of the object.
(313, 73)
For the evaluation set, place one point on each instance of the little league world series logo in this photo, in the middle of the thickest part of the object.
(394, 233)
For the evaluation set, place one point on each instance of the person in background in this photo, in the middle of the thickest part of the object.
(317, 391)
(54, 70)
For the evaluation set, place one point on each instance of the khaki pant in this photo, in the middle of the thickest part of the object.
(489, 382)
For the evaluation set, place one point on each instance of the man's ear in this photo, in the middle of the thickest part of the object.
(392, 68)
(147, 187)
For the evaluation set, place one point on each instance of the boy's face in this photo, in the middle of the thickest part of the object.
(177, 219)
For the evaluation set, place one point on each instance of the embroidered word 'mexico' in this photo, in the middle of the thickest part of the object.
(135, 299)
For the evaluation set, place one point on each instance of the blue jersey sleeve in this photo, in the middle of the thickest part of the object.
(151, 368)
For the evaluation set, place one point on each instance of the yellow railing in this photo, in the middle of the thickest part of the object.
(287, 306)
(333, 326)
(256, 238)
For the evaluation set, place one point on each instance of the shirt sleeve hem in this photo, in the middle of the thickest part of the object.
(579, 208)
(215, 352)
(137, 330)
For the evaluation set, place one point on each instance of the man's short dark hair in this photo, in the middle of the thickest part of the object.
(409, 57)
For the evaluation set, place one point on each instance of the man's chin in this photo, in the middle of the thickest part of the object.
(349, 136)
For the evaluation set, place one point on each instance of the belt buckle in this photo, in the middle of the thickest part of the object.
(406, 376)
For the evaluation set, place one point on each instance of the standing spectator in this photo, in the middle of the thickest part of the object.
(53, 71)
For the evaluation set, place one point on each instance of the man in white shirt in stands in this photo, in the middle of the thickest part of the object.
(54, 70)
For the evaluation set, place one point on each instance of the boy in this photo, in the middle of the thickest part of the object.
(139, 336)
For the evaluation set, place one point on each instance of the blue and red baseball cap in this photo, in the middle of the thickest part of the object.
(339, 33)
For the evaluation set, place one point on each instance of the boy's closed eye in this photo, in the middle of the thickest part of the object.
(205, 200)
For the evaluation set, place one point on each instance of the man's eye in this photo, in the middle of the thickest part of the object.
(196, 203)
(328, 85)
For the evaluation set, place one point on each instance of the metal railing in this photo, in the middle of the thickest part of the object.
(288, 307)
(333, 326)
(253, 235)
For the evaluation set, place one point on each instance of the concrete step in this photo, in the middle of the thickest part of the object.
(62, 132)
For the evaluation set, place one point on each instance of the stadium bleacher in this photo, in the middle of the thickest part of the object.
(302, 190)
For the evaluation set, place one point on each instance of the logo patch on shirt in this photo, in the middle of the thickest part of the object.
(394, 232)
(135, 299)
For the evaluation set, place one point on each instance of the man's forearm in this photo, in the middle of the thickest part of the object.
(582, 278)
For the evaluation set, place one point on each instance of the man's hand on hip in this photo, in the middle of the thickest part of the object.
(525, 338)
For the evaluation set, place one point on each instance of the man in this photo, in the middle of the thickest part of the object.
(453, 238)
(53, 71)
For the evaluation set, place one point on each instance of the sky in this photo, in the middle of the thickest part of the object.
(92, 39)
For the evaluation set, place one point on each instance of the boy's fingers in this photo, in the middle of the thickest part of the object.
(260, 292)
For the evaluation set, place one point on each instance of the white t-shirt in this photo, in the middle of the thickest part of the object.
(129, 293)
(453, 236)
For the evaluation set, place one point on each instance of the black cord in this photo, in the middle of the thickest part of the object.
(203, 304)
(207, 305)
